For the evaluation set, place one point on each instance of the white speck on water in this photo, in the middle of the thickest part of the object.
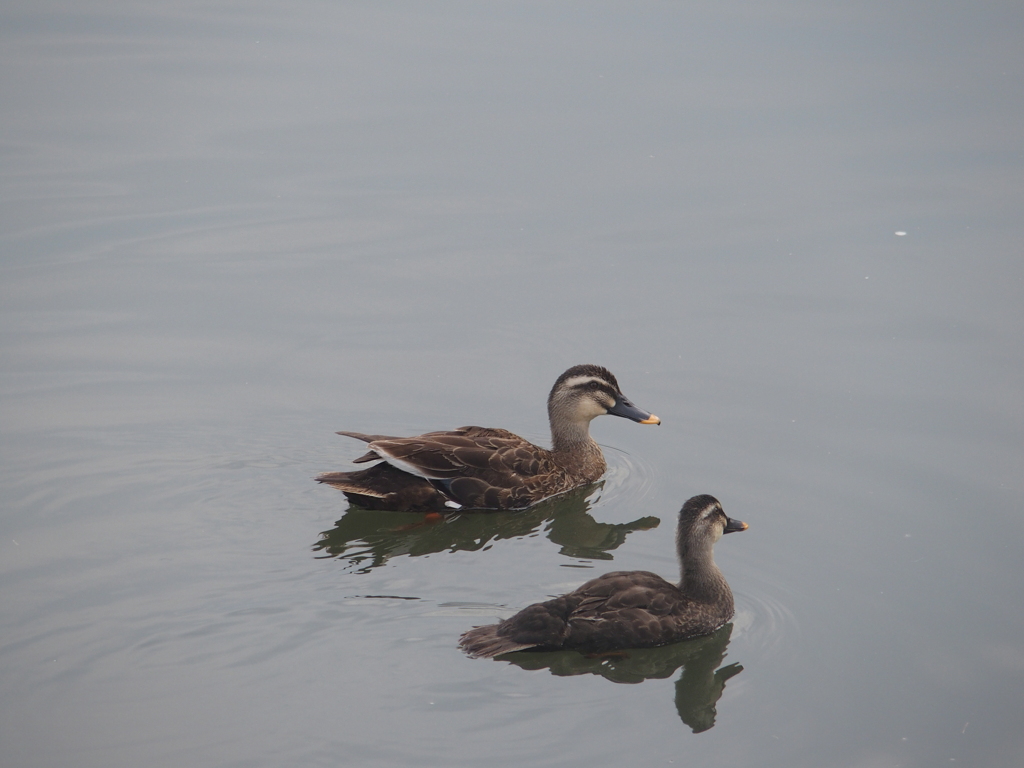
(901, 234)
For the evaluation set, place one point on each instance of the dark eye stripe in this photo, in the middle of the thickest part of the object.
(590, 384)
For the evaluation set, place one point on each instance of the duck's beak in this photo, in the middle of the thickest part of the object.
(735, 525)
(627, 410)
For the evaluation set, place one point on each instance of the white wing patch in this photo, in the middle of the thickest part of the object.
(405, 466)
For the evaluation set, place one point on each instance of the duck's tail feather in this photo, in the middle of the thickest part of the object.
(351, 482)
(366, 438)
(382, 486)
(487, 643)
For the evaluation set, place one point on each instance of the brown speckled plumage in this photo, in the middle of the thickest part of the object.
(628, 609)
(482, 468)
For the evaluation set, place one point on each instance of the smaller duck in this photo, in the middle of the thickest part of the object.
(628, 609)
(482, 468)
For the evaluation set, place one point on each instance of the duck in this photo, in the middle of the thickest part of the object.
(486, 468)
(628, 609)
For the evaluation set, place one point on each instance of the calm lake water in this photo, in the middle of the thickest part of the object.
(792, 230)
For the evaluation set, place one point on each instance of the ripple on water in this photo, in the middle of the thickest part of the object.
(628, 480)
(764, 623)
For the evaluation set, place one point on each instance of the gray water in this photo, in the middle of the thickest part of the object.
(792, 230)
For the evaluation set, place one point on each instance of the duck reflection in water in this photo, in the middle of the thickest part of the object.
(369, 538)
(698, 689)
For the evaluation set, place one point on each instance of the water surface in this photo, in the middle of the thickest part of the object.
(793, 232)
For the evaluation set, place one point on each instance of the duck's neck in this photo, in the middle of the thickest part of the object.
(571, 440)
(700, 579)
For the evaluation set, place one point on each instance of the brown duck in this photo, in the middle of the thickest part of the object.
(628, 609)
(481, 468)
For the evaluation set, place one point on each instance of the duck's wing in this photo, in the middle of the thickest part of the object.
(629, 589)
(454, 453)
(626, 591)
(607, 612)
(630, 609)
(477, 467)
(470, 467)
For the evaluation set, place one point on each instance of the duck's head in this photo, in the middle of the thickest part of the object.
(586, 391)
(702, 521)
